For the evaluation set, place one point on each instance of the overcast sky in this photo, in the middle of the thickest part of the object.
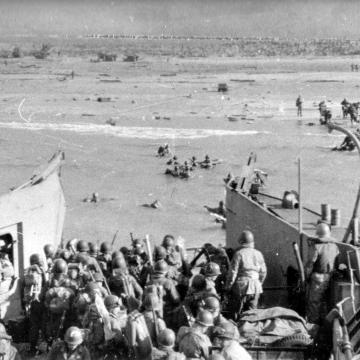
(280, 18)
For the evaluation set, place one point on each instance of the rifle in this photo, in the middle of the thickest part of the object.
(155, 324)
(114, 237)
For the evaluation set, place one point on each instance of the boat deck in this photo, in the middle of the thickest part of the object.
(309, 217)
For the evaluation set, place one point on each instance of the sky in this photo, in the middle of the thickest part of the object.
(247, 18)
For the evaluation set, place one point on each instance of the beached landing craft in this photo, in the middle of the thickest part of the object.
(283, 227)
(32, 215)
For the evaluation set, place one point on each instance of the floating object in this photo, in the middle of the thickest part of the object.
(154, 205)
(103, 99)
(111, 122)
(222, 87)
(232, 118)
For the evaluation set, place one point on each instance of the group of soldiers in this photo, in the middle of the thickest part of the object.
(184, 170)
(88, 302)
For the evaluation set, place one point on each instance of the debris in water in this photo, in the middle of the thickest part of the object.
(111, 122)
(103, 99)
(154, 205)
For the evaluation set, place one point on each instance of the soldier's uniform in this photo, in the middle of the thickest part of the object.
(154, 325)
(321, 263)
(61, 352)
(7, 273)
(33, 294)
(7, 351)
(246, 275)
(166, 353)
(171, 297)
(193, 343)
(122, 285)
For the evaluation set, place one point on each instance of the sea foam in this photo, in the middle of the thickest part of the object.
(129, 131)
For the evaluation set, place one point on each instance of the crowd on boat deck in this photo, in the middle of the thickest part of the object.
(89, 302)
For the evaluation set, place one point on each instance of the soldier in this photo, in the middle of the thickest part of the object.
(49, 252)
(97, 319)
(322, 260)
(165, 349)
(105, 258)
(7, 351)
(124, 285)
(212, 304)
(299, 104)
(59, 272)
(118, 318)
(34, 287)
(93, 250)
(226, 338)
(58, 301)
(211, 272)
(75, 281)
(72, 348)
(171, 297)
(7, 272)
(193, 341)
(246, 276)
(344, 107)
(152, 315)
(197, 292)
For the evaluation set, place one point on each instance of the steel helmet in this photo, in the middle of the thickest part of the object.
(322, 230)
(212, 269)
(204, 318)
(246, 238)
(161, 267)
(117, 254)
(93, 248)
(105, 248)
(82, 246)
(168, 241)
(212, 304)
(111, 301)
(35, 259)
(49, 250)
(159, 253)
(125, 251)
(198, 282)
(73, 336)
(65, 254)
(119, 263)
(60, 266)
(166, 338)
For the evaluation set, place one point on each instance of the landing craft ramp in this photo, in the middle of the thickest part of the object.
(32, 215)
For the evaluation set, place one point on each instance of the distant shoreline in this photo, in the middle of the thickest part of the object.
(183, 46)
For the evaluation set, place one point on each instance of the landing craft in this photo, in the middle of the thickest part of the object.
(282, 225)
(32, 215)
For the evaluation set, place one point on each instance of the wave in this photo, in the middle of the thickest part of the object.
(130, 131)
